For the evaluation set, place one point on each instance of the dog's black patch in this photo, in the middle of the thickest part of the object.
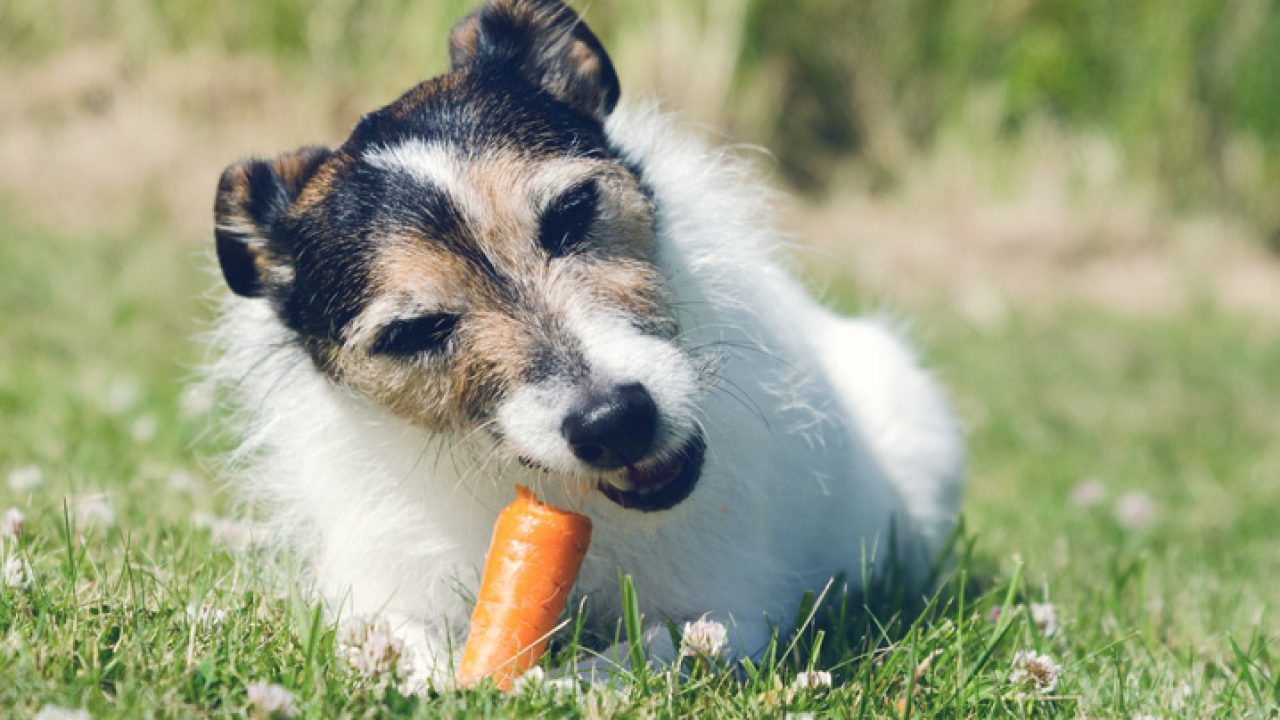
(566, 222)
(252, 198)
(528, 77)
(544, 42)
(405, 338)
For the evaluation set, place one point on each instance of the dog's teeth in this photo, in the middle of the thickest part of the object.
(621, 484)
(652, 489)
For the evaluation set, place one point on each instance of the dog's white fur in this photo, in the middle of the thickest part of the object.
(824, 437)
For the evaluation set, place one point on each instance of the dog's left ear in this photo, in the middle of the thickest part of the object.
(547, 44)
(253, 198)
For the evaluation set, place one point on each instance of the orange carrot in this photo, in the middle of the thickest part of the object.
(533, 562)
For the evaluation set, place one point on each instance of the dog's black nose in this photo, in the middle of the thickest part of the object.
(613, 429)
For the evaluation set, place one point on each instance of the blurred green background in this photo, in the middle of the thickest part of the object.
(1188, 89)
(1074, 200)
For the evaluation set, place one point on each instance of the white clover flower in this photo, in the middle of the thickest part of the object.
(25, 478)
(232, 534)
(96, 510)
(1036, 671)
(143, 430)
(1184, 694)
(269, 700)
(371, 649)
(181, 480)
(16, 573)
(242, 535)
(566, 686)
(529, 681)
(1045, 617)
(1089, 493)
(206, 617)
(121, 395)
(204, 520)
(12, 524)
(535, 680)
(1135, 510)
(54, 712)
(703, 638)
(813, 680)
(599, 700)
(196, 401)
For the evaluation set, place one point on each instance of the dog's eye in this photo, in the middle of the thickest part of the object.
(567, 221)
(405, 338)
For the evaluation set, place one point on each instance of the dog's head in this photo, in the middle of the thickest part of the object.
(475, 258)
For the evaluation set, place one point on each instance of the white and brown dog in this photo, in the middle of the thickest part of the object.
(507, 277)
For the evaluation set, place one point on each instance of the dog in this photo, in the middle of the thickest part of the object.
(508, 276)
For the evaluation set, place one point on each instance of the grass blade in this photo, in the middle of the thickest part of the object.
(631, 621)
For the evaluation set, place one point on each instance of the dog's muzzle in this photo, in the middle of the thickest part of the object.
(616, 434)
(659, 485)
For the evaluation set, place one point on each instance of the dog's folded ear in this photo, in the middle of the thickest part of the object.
(253, 197)
(547, 44)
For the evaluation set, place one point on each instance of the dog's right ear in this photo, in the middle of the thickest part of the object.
(253, 197)
(547, 44)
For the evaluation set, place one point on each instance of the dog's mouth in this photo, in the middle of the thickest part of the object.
(658, 486)
(651, 487)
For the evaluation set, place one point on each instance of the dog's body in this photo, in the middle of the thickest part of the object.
(395, 396)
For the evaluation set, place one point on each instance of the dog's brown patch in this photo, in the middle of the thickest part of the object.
(511, 298)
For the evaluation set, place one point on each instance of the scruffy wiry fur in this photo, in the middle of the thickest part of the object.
(505, 276)
(824, 436)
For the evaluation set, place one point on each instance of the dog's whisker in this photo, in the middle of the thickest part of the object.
(480, 468)
(261, 361)
(442, 441)
(749, 347)
(736, 393)
(285, 377)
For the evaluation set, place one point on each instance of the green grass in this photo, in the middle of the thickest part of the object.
(1175, 618)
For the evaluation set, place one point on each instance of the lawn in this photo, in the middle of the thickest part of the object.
(1124, 478)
